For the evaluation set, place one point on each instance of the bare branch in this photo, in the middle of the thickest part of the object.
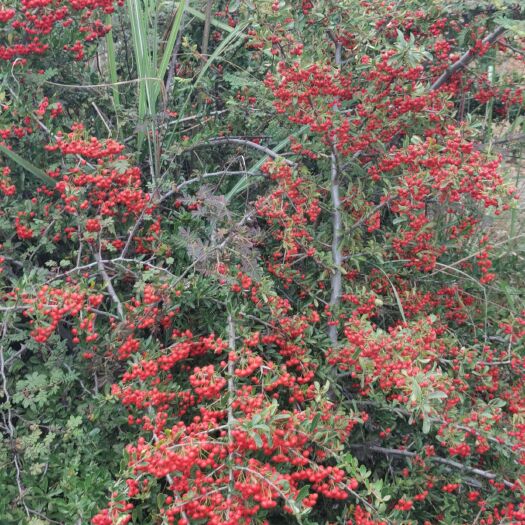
(201, 177)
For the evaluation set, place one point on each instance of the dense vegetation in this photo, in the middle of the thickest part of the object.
(261, 262)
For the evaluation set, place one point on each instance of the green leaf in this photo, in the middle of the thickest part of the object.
(258, 440)
(514, 26)
(315, 422)
(303, 493)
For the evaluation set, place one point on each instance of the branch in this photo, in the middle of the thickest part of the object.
(465, 60)
(206, 32)
(448, 266)
(503, 141)
(368, 215)
(168, 477)
(337, 238)
(141, 217)
(512, 48)
(443, 461)
(109, 286)
(337, 228)
(201, 177)
(244, 142)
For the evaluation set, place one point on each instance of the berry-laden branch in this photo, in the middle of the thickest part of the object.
(231, 398)
(466, 59)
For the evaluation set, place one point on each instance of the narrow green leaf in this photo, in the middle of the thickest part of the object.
(166, 57)
(26, 165)
(258, 440)
(302, 493)
(235, 34)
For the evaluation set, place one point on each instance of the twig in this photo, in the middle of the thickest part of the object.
(40, 515)
(84, 388)
(439, 421)
(472, 255)
(104, 84)
(14, 308)
(266, 480)
(102, 118)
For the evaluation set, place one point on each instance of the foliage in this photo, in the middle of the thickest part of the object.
(261, 262)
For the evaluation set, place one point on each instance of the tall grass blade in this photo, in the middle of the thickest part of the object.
(27, 166)
(236, 34)
(139, 38)
(174, 32)
(112, 65)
